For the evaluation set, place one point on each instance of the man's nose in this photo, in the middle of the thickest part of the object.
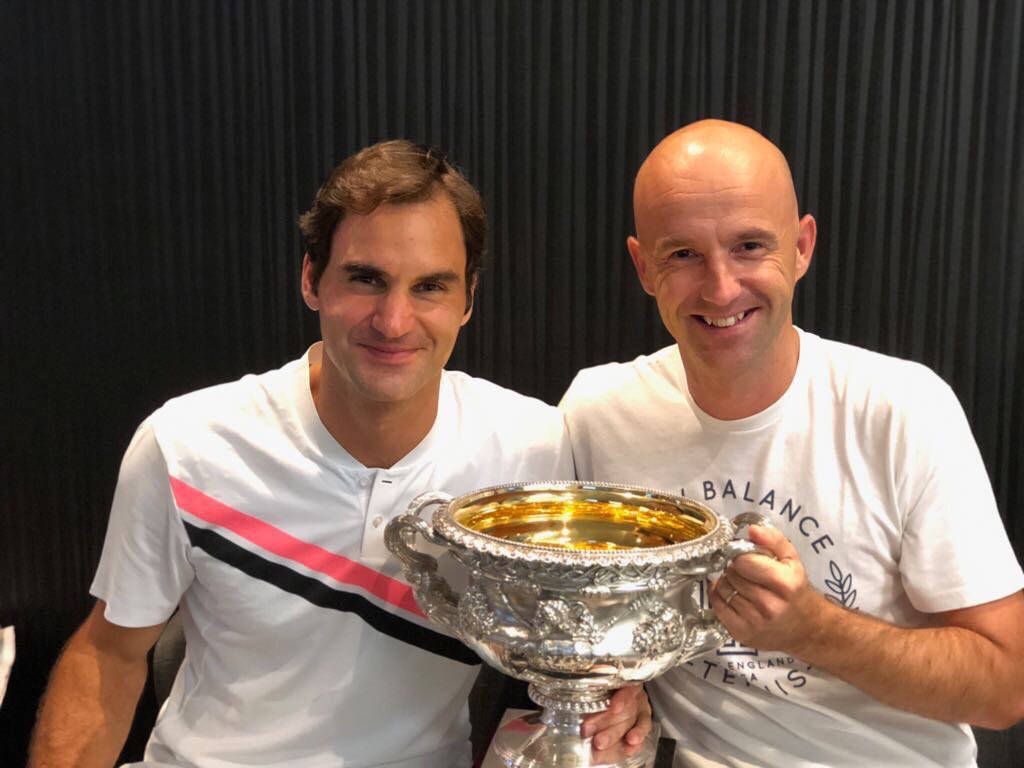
(720, 285)
(392, 317)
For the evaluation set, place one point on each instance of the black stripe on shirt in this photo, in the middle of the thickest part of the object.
(319, 594)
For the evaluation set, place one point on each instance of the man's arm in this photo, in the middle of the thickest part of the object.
(90, 700)
(966, 667)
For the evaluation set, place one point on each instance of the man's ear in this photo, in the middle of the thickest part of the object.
(470, 297)
(807, 234)
(636, 253)
(309, 294)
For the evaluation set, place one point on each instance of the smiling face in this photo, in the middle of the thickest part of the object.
(720, 246)
(391, 299)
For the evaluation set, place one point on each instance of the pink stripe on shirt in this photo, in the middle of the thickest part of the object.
(282, 544)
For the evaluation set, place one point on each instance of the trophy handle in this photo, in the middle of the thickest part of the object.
(737, 546)
(709, 632)
(433, 594)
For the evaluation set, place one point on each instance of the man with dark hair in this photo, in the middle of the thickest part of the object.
(259, 508)
(891, 613)
(394, 172)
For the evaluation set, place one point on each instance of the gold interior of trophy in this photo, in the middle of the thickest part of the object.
(567, 522)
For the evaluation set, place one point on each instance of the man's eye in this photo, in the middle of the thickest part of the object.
(683, 253)
(431, 287)
(365, 279)
(751, 245)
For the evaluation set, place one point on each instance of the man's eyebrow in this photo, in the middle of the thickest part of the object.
(368, 270)
(674, 242)
(670, 241)
(446, 276)
(363, 270)
(756, 233)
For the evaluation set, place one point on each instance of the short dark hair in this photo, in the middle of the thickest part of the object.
(396, 171)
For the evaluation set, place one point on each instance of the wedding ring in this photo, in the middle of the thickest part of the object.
(731, 595)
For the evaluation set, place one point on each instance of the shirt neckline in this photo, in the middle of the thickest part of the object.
(761, 419)
(335, 453)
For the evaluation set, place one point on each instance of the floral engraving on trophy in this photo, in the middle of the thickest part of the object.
(663, 631)
(476, 614)
(565, 618)
(564, 633)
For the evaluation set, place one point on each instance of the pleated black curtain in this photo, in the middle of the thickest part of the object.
(155, 155)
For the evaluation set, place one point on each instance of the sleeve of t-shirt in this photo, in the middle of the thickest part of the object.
(144, 568)
(955, 551)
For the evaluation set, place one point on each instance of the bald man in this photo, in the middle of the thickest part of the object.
(891, 614)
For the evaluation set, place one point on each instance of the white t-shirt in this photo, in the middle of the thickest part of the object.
(304, 646)
(868, 466)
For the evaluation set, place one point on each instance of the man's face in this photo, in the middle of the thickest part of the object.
(391, 301)
(720, 248)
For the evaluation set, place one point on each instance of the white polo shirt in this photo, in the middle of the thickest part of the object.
(304, 646)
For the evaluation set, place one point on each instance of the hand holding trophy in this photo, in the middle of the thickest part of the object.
(577, 588)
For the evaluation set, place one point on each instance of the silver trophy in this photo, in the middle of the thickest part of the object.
(577, 588)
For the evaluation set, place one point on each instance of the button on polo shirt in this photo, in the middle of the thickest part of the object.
(382, 494)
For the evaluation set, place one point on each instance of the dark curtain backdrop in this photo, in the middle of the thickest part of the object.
(155, 156)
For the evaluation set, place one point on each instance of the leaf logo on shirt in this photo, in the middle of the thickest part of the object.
(841, 585)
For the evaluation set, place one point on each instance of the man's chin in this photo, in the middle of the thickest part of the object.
(717, 358)
(390, 388)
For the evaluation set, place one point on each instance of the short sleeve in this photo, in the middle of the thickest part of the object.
(955, 551)
(144, 568)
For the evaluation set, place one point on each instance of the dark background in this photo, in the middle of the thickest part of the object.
(155, 155)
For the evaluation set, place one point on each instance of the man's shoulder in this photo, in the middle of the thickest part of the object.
(239, 401)
(858, 373)
(497, 424)
(476, 396)
(599, 383)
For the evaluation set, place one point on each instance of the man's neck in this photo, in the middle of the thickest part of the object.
(731, 395)
(376, 434)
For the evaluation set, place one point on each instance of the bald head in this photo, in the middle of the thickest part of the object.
(720, 245)
(711, 156)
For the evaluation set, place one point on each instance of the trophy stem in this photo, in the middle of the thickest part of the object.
(551, 738)
(569, 702)
(570, 722)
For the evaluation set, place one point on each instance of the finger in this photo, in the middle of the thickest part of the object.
(732, 587)
(642, 727)
(741, 583)
(723, 587)
(765, 570)
(737, 624)
(750, 609)
(610, 732)
(773, 540)
(767, 599)
(598, 721)
(743, 605)
(777, 579)
(624, 711)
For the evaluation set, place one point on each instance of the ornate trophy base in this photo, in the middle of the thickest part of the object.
(552, 740)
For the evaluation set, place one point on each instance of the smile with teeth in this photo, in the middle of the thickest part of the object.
(724, 322)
